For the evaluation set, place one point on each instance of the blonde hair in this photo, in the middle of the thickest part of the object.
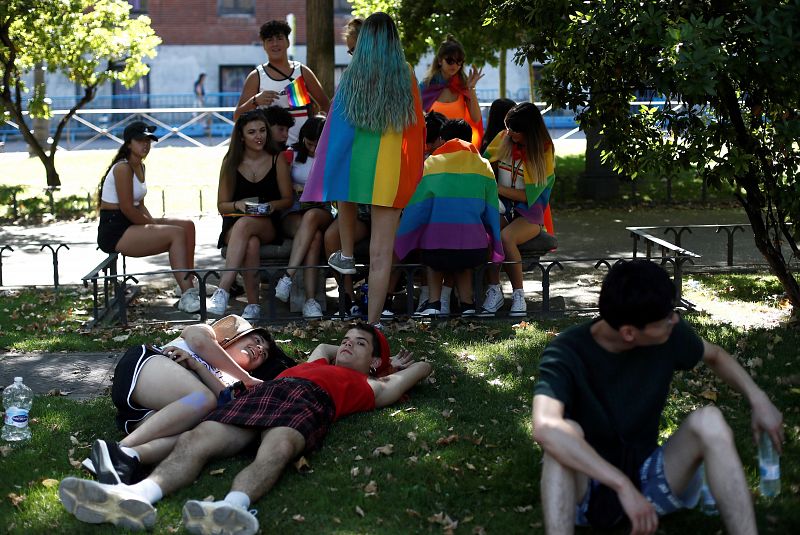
(352, 28)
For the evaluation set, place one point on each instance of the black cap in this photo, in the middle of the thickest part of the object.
(139, 130)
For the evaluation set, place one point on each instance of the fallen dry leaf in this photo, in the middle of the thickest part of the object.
(445, 441)
(447, 413)
(49, 483)
(709, 395)
(523, 508)
(56, 392)
(217, 472)
(299, 518)
(411, 512)
(302, 465)
(412, 436)
(5, 450)
(16, 499)
(387, 450)
(121, 337)
(360, 511)
(354, 471)
(371, 488)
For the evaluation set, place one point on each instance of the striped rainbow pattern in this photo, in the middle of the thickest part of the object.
(455, 205)
(537, 206)
(356, 165)
(297, 93)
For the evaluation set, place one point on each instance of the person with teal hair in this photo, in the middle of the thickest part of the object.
(371, 150)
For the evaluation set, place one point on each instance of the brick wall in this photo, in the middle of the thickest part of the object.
(197, 22)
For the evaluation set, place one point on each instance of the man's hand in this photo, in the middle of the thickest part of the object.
(403, 359)
(766, 418)
(641, 512)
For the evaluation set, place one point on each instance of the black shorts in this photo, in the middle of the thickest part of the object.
(126, 374)
(113, 225)
(453, 259)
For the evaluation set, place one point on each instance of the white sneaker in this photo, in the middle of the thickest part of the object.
(190, 301)
(210, 288)
(218, 303)
(518, 305)
(208, 518)
(311, 309)
(493, 301)
(283, 288)
(252, 312)
(97, 503)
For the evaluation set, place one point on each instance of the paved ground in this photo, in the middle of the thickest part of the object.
(583, 234)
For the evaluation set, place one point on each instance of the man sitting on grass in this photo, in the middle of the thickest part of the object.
(597, 406)
(291, 414)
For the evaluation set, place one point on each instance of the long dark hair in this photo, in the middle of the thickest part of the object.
(526, 119)
(276, 361)
(123, 153)
(235, 152)
(311, 130)
(496, 122)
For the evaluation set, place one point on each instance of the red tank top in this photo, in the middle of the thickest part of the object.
(349, 389)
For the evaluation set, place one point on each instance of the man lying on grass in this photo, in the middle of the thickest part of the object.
(291, 414)
(598, 403)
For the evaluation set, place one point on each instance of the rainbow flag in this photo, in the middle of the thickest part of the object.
(356, 165)
(537, 206)
(455, 205)
(297, 93)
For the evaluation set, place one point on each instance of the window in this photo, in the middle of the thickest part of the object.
(231, 82)
(138, 6)
(236, 7)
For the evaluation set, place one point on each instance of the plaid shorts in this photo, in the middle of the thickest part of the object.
(286, 402)
(654, 487)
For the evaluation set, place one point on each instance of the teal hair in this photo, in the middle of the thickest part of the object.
(375, 92)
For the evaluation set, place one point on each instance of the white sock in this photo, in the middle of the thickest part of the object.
(235, 497)
(130, 452)
(147, 489)
(345, 257)
(446, 293)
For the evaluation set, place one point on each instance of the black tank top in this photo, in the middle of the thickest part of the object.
(265, 189)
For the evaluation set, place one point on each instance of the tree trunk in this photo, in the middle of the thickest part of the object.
(598, 181)
(532, 81)
(320, 42)
(501, 72)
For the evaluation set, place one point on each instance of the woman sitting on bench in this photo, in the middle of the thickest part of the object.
(523, 159)
(126, 226)
(254, 185)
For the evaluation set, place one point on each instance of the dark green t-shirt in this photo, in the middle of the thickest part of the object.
(633, 385)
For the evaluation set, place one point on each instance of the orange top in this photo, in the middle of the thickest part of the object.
(458, 110)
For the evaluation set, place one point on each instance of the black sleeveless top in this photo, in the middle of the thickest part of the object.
(265, 189)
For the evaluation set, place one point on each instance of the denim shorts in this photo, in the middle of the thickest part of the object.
(654, 487)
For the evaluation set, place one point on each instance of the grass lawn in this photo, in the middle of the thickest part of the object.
(461, 458)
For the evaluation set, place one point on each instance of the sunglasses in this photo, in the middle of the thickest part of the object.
(453, 61)
(350, 51)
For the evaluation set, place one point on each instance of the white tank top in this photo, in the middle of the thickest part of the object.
(109, 192)
(267, 83)
(511, 175)
(300, 172)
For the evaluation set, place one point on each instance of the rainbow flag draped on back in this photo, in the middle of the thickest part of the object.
(537, 207)
(297, 93)
(356, 165)
(454, 206)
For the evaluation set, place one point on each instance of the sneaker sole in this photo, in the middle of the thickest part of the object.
(106, 473)
(518, 314)
(343, 271)
(93, 504)
(200, 517)
(486, 314)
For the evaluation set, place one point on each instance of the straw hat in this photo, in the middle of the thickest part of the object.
(231, 328)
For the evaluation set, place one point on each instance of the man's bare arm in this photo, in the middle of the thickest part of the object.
(323, 351)
(390, 388)
(765, 416)
(567, 445)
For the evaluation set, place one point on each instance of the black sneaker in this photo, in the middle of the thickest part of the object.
(112, 465)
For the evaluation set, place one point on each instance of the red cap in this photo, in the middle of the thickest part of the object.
(385, 353)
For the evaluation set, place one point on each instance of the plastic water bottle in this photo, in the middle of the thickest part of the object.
(769, 467)
(708, 505)
(17, 400)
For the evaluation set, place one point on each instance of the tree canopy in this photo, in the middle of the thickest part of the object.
(729, 71)
(423, 24)
(89, 41)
